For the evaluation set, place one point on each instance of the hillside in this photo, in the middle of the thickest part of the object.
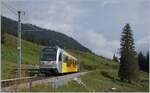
(10, 54)
(31, 53)
(99, 81)
(103, 75)
(42, 37)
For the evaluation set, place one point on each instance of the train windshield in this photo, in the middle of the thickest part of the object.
(48, 56)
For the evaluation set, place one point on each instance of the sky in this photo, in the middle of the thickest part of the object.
(96, 24)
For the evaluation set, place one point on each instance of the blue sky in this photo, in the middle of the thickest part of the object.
(96, 24)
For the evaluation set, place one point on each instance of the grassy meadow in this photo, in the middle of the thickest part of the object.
(102, 76)
(9, 55)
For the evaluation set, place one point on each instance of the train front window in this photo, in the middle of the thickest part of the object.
(51, 56)
(60, 57)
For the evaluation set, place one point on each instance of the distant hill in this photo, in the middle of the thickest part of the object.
(44, 37)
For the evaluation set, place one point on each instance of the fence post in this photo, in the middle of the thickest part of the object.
(30, 84)
(15, 85)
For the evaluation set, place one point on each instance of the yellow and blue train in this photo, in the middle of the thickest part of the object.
(56, 60)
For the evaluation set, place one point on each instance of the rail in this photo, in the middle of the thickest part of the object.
(15, 79)
(9, 82)
(17, 84)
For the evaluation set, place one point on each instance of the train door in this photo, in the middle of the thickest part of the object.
(64, 63)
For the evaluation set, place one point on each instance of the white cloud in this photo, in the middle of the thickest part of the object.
(75, 18)
(104, 3)
(142, 45)
(62, 15)
(63, 28)
(98, 43)
(144, 40)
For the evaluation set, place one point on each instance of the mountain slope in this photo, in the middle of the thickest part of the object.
(43, 37)
(103, 75)
(31, 53)
(9, 55)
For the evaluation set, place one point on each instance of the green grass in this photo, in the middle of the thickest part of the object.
(72, 86)
(103, 75)
(30, 55)
(90, 61)
(104, 80)
(98, 81)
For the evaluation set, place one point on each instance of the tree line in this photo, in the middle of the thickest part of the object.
(143, 61)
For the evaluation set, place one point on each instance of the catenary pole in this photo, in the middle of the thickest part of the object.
(19, 45)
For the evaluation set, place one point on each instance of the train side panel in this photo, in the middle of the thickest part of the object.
(69, 63)
(64, 67)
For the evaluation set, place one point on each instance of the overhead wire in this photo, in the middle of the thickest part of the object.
(32, 26)
(14, 11)
(10, 8)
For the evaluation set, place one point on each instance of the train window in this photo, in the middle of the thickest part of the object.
(69, 62)
(60, 57)
(65, 58)
(74, 65)
(48, 56)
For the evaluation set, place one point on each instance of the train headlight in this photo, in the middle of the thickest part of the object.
(52, 62)
(42, 63)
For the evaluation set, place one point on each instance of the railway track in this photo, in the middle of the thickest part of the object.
(17, 81)
(27, 82)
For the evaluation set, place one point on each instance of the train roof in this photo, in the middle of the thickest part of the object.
(66, 53)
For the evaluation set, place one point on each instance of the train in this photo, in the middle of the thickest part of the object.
(55, 60)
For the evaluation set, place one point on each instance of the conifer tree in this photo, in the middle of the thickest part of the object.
(147, 62)
(115, 58)
(128, 70)
(3, 37)
(142, 61)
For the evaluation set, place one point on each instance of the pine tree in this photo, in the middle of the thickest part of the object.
(147, 62)
(128, 70)
(147, 57)
(3, 36)
(142, 61)
(115, 58)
